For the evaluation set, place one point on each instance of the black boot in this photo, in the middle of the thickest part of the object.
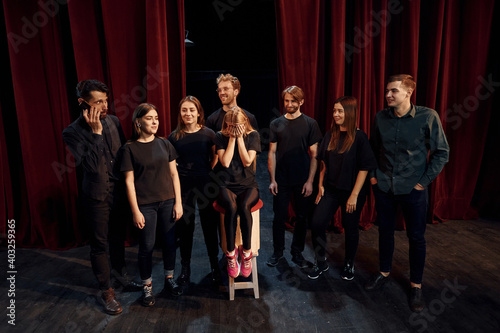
(215, 271)
(185, 276)
(348, 272)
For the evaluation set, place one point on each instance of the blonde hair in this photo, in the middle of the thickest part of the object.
(236, 116)
(228, 77)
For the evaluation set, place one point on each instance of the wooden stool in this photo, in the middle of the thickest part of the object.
(254, 283)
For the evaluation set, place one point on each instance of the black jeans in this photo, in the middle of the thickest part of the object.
(157, 215)
(325, 210)
(238, 203)
(195, 191)
(300, 205)
(108, 222)
(414, 207)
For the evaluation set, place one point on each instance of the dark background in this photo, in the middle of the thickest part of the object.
(239, 39)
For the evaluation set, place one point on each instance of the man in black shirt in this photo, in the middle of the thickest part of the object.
(411, 150)
(228, 88)
(292, 166)
(94, 140)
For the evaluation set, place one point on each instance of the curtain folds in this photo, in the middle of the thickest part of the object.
(443, 44)
(329, 48)
(132, 46)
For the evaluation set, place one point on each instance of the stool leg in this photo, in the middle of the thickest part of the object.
(231, 288)
(255, 278)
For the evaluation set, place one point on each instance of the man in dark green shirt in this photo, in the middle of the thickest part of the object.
(411, 150)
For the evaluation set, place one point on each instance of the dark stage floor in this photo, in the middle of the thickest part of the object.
(55, 291)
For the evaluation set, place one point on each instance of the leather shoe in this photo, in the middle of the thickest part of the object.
(111, 305)
(417, 302)
(376, 282)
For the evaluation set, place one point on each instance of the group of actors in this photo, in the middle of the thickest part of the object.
(161, 181)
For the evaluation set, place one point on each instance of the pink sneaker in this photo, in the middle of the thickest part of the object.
(246, 264)
(233, 266)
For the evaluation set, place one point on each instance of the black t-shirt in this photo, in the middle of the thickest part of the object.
(150, 163)
(237, 175)
(195, 152)
(342, 169)
(293, 137)
(215, 120)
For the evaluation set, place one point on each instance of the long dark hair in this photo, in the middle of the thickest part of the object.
(180, 131)
(350, 105)
(140, 111)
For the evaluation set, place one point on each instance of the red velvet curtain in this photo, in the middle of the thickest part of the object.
(135, 47)
(332, 48)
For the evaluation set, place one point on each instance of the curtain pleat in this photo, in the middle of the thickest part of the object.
(52, 46)
(443, 44)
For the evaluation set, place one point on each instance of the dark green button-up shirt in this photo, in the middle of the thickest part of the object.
(410, 149)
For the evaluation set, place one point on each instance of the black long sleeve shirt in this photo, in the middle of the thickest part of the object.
(410, 149)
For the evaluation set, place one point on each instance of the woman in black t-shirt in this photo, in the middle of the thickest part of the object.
(237, 145)
(154, 194)
(346, 158)
(195, 145)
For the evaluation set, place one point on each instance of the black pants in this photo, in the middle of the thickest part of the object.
(108, 222)
(325, 210)
(158, 217)
(300, 205)
(414, 206)
(239, 202)
(195, 191)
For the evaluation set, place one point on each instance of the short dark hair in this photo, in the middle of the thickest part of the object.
(295, 91)
(140, 111)
(84, 88)
(407, 80)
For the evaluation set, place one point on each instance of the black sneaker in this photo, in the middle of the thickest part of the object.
(298, 259)
(317, 270)
(417, 302)
(376, 282)
(172, 287)
(275, 258)
(185, 276)
(148, 299)
(348, 272)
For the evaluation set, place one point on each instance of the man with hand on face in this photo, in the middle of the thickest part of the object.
(292, 166)
(228, 88)
(94, 140)
(411, 150)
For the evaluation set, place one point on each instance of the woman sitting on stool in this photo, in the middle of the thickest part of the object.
(237, 145)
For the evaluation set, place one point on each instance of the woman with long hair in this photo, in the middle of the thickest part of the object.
(237, 145)
(195, 146)
(154, 194)
(346, 157)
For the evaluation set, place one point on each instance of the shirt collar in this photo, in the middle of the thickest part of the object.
(411, 113)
